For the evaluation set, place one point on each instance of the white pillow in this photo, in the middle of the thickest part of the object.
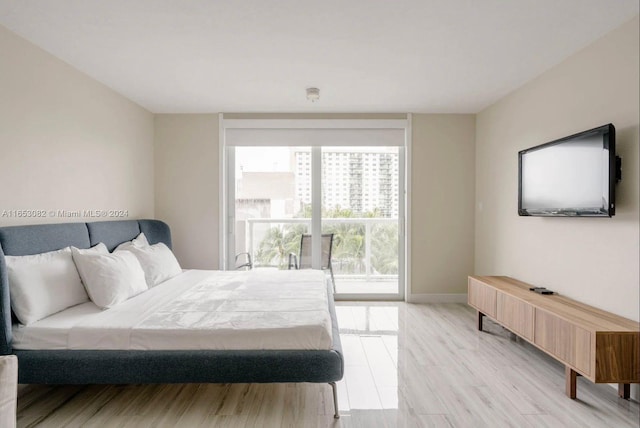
(99, 248)
(139, 241)
(110, 278)
(157, 261)
(43, 284)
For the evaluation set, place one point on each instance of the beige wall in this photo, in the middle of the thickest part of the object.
(187, 193)
(594, 260)
(68, 142)
(187, 185)
(442, 201)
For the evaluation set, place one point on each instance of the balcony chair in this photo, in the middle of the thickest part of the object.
(303, 260)
(247, 264)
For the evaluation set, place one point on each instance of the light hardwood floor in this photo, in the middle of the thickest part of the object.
(406, 365)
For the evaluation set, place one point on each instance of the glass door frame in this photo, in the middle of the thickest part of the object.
(400, 295)
(227, 191)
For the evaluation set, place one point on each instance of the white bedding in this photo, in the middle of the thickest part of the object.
(198, 310)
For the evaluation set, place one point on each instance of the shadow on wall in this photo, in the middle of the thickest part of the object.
(627, 197)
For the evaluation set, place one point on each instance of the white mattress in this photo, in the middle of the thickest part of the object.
(198, 310)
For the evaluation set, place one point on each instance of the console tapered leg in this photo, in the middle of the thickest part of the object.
(570, 378)
(336, 415)
(624, 390)
(480, 316)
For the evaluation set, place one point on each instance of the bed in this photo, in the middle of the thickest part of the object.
(143, 366)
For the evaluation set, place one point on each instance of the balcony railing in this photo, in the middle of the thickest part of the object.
(363, 249)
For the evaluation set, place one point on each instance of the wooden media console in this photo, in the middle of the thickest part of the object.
(601, 346)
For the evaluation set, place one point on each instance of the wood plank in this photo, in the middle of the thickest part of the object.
(363, 393)
(480, 379)
(84, 406)
(617, 358)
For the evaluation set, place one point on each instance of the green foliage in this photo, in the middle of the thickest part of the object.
(348, 246)
(348, 254)
(278, 243)
(384, 248)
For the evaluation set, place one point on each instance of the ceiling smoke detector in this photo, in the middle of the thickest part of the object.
(313, 94)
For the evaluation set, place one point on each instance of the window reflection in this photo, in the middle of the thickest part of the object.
(369, 335)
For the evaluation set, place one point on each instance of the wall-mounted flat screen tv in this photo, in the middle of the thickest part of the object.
(572, 176)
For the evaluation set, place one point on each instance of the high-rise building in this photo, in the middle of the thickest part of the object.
(359, 180)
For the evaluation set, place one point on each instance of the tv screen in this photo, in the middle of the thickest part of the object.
(572, 176)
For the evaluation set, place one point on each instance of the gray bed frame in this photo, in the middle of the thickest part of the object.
(144, 367)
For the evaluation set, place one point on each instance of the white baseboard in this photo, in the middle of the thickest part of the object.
(437, 298)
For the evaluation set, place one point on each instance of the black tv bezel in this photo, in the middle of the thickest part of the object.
(609, 143)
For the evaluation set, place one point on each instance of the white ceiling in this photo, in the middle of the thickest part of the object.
(365, 55)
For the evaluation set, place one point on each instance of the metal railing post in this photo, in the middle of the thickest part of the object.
(250, 249)
(367, 249)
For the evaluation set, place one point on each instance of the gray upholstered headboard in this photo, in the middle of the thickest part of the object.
(34, 239)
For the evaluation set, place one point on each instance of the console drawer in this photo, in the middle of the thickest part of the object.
(482, 297)
(516, 315)
(570, 343)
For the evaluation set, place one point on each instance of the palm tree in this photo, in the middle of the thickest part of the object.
(348, 246)
(278, 243)
(384, 251)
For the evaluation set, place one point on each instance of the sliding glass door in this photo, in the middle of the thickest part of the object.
(270, 197)
(276, 193)
(361, 207)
